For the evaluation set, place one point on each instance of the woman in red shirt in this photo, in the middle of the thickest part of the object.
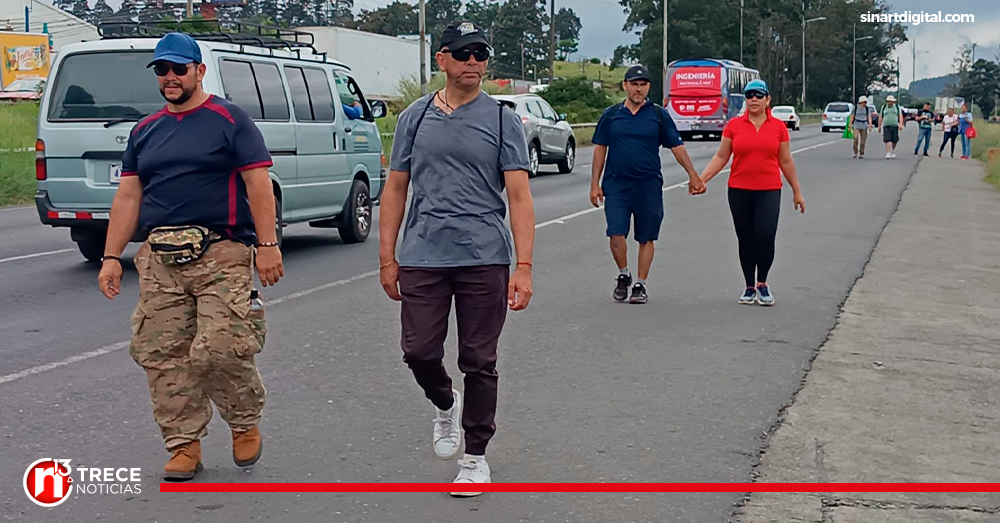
(758, 143)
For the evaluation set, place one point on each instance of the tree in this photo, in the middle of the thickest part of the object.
(566, 48)
(394, 19)
(80, 9)
(65, 5)
(439, 14)
(981, 85)
(296, 14)
(100, 12)
(772, 42)
(520, 41)
(342, 13)
(482, 13)
(568, 25)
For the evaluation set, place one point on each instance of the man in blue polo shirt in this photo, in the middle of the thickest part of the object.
(195, 179)
(628, 139)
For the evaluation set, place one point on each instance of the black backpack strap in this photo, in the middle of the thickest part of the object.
(419, 121)
(500, 142)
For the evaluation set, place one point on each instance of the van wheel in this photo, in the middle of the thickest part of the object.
(569, 161)
(279, 227)
(91, 248)
(356, 218)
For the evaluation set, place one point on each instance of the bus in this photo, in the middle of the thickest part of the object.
(704, 94)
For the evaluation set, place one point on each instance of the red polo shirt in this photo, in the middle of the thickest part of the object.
(755, 153)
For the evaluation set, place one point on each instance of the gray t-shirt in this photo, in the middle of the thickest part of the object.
(457, 210)
(861, 116)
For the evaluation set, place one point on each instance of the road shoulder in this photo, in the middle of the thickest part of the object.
(907, 387)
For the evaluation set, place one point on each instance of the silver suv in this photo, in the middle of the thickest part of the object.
(550, 137)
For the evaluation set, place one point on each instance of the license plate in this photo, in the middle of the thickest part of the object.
(115, 173)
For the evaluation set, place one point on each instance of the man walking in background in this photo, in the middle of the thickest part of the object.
(925, 121)
(861, 120)
(890, 119)
(627, 152)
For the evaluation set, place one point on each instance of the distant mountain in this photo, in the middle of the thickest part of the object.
(932, 87)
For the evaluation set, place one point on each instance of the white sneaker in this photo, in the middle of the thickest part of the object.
(888, 155)
(473, 469)
(448, 429)
(893, 154)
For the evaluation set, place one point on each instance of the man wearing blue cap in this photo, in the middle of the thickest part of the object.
(628, 139)
(195, 180)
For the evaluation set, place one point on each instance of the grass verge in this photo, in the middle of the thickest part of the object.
(17, 165)
(988, 137)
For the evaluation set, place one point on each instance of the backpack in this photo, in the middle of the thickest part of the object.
(500, 106)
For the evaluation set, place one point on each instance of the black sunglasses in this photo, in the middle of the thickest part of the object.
(162, 68)
(756, 94)
(462, 55)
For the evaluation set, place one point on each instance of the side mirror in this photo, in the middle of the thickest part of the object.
(379, 110)
(562, 117)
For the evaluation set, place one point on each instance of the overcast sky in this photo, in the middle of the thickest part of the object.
(936, 43)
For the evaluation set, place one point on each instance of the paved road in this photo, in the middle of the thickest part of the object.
(680, 389)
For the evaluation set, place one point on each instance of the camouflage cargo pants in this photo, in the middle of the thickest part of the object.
(196, 336)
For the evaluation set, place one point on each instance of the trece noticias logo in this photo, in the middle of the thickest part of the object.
(49, 482)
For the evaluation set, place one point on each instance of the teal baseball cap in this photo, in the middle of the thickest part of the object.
(757, 85)
(177, 48)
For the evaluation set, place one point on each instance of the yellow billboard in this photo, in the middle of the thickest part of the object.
(23, 55)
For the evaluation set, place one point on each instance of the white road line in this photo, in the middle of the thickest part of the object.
(61, 363)
(296, 295)
(36, 255)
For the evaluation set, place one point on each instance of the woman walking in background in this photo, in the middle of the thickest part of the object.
(964, 122)
(950, 125)
(758, 144)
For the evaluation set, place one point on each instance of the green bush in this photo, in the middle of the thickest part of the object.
(563, 92)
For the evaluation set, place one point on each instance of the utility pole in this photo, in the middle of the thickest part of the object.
(804, 22)
(423, 48)
(972, 67)
(854, 61)
(552, 42)
(741, 31)
(190, 8)
(665, 59)
(522, 61)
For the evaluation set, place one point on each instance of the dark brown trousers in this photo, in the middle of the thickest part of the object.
(480, 296)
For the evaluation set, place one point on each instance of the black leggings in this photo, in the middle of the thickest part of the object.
(755, 214)
(950, 135)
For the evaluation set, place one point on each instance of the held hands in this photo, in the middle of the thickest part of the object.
(110, 279)
(270, 268)
(696, 186)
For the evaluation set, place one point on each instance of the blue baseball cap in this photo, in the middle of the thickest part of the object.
(178, 48)
(756, 85)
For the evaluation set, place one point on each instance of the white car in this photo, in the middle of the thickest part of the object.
(787, 114)
(836, 115)
(550, 137)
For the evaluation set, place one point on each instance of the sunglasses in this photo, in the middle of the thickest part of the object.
(162, 68)
(756, 94)
(462, 55)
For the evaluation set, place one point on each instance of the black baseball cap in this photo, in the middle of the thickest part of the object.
(637, 72)
(460, 34)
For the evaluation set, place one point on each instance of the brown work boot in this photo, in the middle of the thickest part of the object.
(247, 447)
(185, 462)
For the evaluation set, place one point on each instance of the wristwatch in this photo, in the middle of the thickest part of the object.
(267, 244)
(109, 257)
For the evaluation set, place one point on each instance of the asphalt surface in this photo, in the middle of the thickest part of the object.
(681, 389)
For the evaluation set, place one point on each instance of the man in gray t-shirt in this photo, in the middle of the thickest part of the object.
(458, 150)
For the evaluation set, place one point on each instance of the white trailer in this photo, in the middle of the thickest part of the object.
(378, 62)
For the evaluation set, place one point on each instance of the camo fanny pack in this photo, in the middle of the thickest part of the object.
(180, 244)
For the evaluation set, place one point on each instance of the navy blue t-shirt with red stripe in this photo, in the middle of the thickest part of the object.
(190, 163)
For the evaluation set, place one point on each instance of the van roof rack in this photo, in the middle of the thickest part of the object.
(213, 30)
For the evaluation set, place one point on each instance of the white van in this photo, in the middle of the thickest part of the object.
(327, 168)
